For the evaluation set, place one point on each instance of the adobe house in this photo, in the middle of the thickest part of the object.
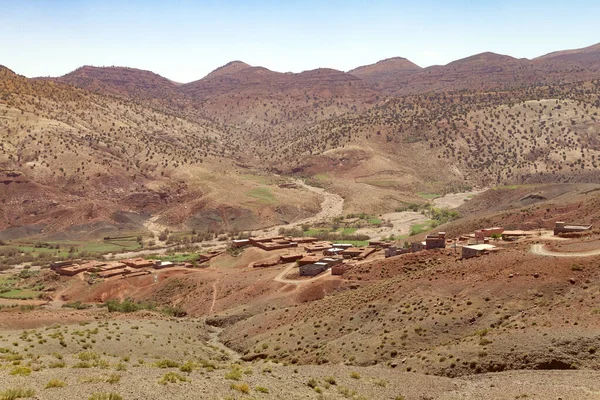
(138, 263)
(319, 246)
(313, 269)
(240, 243)
(437, 241)
(339, 269)
(78, 268)
(308, 260)
(287, 258)
(304, 239)
(366, 253)
(482, 234)
(417, 246)
(353, 252)
(334, 251)
(379, 243)
(514, 235)
(331, 261)
(477, 249)
(561, 227)
(115, 272)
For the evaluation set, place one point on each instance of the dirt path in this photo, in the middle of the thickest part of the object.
(280, 277)
(332, 206)
(214, 297)
(403, 221)
(455, 200)
(538, 249)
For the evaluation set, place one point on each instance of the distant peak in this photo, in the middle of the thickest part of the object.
(485, 56)
(230, 67)
(388, 64)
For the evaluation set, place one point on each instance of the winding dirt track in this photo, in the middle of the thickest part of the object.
(538, 249)
(331, 207)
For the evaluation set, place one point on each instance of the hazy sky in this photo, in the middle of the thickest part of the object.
(185, 40)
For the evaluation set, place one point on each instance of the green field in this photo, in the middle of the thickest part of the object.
(20, 294)
(508, 187)
(420, 228)
(183, 257)
(429, 196)
(374, 221)
(355, 243)
(384, 183)
(263, 195)
(321, 177)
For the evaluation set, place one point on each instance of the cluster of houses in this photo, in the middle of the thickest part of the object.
(478, 242)
(108, 269)
(318, 256)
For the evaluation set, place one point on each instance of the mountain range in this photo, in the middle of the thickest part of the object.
(110, 147)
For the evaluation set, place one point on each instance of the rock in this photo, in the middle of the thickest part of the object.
(572, 281)
(536, 275)
(511, 276)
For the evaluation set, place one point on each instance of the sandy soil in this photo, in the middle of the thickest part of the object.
(538, 249)
(402, 221)
(455, 200)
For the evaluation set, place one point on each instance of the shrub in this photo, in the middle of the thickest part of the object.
(235, 374)
(113, 378)
(240, 387)
(167, 364)
(189, 366)
(330, 380)
(17, 393)
(172, 377)
(262, 389)
(57, 364)
(55, 383)
(88, 356)
(77, 305)
(21, 371)
(105, 396)
(354, 375)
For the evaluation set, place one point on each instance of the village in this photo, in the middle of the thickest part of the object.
(313, 257)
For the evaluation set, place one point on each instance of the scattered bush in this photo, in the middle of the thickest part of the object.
(17, 393)
(240, 387)
(55, 383)
(105, 396)
(172, 377)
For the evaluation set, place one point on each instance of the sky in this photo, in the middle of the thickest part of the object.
(185, 40)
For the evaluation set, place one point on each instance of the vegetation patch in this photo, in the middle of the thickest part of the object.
(17, 393)
(263, 195)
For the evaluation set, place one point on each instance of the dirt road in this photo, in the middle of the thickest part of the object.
(538, 249)
(331, 207)
(455, 200)
(403, 221)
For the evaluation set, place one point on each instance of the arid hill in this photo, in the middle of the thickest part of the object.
(108, 140)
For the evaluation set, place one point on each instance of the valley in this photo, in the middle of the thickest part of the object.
(390, 232)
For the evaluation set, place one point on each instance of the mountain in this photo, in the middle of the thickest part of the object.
(386, 72)
(101, 141)
(229, 68)
(239, 78)
(121, 81)
(587, 57)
